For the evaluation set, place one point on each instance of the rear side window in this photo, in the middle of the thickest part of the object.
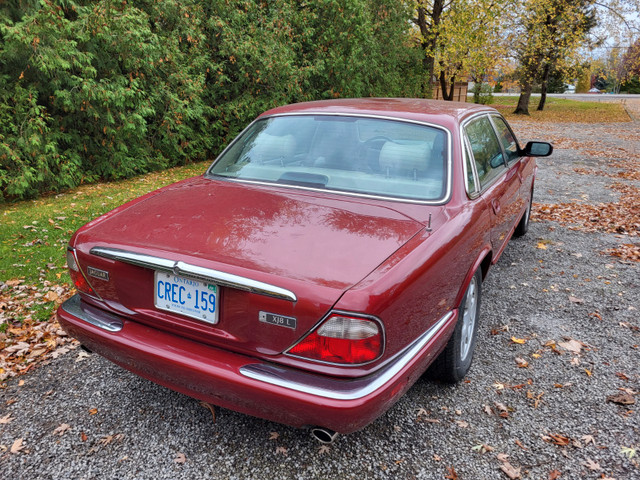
(486, 150)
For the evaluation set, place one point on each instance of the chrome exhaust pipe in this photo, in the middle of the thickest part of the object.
(324, 435)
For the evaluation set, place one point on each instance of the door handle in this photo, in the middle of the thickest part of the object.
(496, 206)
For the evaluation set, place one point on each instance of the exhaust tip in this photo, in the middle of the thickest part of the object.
(324, 435)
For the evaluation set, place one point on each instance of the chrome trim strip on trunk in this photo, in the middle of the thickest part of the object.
(200, 273)
(96, 317)
(339, 389)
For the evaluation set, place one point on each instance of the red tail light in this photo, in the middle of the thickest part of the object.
(77, 277)
(342, 339)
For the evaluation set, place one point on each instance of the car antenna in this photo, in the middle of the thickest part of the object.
(429, 224)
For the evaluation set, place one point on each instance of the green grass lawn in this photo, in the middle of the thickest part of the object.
(563, 110)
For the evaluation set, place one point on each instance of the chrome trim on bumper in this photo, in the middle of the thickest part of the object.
(92, 315)
(194, 271)
(338, 389)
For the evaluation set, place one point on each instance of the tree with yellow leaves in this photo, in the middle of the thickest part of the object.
(458, 38)
(547, 37)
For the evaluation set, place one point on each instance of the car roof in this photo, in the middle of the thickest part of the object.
(447, 114)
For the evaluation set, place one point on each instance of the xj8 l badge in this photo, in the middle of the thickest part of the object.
(279, 320)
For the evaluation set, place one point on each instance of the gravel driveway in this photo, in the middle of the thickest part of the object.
(559, 336)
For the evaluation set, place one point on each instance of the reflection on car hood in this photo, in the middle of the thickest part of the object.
(304, 236)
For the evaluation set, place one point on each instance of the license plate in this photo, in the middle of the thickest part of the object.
(186, 296)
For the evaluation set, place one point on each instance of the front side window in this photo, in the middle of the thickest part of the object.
(507, 139)
(341, 153)
(486, 150)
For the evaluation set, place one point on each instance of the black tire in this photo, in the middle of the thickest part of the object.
(523, 226)
(454, 362)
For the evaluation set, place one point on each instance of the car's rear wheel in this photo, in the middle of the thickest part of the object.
(523, 226)
(454, 362)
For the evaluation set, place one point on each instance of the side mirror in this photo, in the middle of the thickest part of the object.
(537, 149)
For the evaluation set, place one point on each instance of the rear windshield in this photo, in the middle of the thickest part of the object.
(341, 153)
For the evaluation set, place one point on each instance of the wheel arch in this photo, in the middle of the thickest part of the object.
(483, 262)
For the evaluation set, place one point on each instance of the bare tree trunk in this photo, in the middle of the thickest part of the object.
(447, 95)
(523, 101)
(543, 92)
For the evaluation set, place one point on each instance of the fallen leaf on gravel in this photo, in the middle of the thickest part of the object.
(521, 362)
(541, 246)
(554, 474)
(273, 435)
(557, 439)
(462, 423)
(519, 443)
(482, 448)
(629, 452)
(572, 346)
(282, 450)
(430, 420)
(537, 399)
(452, 474)
(588, 439)
(180, 458)
(82, 355)
(621, 399)
(211, 408)
(573, 299)
(630, 391)
(591, 465)
(83, 436)
(61, 429)
(93, 411)
(502, 457)
(106, 440)
(588, 372)
(519, 341)
(17, 446)
(324, 449)
(502, 408)
(6, 419)
(510, 471)
(622, 376)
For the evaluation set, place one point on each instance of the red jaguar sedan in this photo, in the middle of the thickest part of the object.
(331, 254)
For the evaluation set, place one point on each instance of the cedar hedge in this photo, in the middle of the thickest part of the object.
(104, 90)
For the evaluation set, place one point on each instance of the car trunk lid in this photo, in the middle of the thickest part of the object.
(315, 246)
